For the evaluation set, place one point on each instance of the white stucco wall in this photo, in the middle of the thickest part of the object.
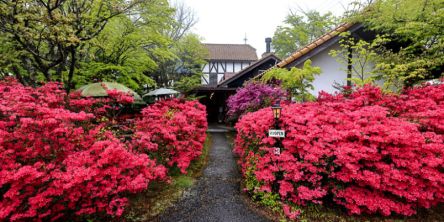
(205, 79)
(331, 71)
(237, 66)
(206, 68)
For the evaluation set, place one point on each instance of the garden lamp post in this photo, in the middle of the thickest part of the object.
(276, 108)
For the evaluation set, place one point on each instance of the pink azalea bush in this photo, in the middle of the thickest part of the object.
(102, 106)
(172, 131)
(54, 163)
(57, 162)
(252, 97)
(369, 152)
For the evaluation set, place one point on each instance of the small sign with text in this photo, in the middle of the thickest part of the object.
(276, 133)
(277, 151)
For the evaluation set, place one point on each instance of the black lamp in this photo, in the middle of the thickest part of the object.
(276, 110)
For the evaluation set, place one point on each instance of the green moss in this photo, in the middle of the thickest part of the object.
(183, 181)
(195, 168)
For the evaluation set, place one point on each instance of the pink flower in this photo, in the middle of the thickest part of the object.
(371, 152)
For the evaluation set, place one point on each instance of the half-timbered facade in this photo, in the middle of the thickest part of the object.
(224, 60)
(214, 97)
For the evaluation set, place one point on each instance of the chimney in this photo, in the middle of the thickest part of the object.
(268, 42)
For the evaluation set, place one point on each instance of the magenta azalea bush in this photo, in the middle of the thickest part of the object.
(252, 97)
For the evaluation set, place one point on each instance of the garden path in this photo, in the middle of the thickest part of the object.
(216, 195)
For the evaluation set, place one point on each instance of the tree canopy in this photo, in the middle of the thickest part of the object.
(408, 48)
(417, 27)
(50, 33)
(77, 42)
(299, 29)
(297, 81)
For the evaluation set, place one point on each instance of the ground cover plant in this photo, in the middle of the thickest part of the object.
(366, 152)
(60, 162)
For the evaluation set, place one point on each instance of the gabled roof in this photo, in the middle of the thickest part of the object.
(313, 48)
(316, 43)
(250, 68)
(231, 52)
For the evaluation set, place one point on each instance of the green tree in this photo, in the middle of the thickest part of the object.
(191, 55)
(188, 71)
(187, 48)
(188, 60)
(295, 80)
(417, 33)
(10, 55)
(126, 49)
(358, 57)
(188, 83)
(301, 28)
(52, 32)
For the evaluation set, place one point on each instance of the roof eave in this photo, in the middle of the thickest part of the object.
(249, 68)
(332, 36)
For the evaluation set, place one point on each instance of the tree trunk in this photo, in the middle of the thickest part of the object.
(72, 67)
(18, 75)
(58, 74)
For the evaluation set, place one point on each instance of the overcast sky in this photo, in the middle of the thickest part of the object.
(227, 21)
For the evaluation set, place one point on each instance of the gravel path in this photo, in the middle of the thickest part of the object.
(216, 196)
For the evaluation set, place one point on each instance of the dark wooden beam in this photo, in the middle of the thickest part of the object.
(349, 65)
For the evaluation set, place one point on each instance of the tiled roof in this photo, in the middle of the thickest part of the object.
(319, 41)
(231, 52)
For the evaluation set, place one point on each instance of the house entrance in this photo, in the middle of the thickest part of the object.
(215, 102)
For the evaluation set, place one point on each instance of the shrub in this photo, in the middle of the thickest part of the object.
(252, 97)
(108, 107)
(55, 163)
(368, 151)
(172, 131)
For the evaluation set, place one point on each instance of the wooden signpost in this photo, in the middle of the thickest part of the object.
(277, 134)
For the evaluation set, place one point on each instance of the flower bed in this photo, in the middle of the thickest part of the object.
(57, 162)
(368, 152)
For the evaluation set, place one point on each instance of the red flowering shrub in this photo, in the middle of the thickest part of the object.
(55, 163)
(101, 106)
(172, 131)
(368, 151)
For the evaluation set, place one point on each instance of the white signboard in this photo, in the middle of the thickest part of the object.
(277, 151)
(276, 133)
